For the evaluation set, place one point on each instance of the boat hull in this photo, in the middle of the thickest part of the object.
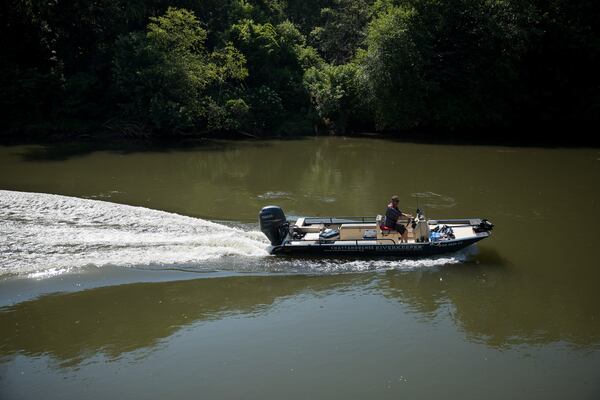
(369, 250)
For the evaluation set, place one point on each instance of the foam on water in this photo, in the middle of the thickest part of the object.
(43, 235)
(333, 266)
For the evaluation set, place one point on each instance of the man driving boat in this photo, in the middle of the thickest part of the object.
(392, 219)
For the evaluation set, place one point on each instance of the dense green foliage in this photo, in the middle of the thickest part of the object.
(274, 67)
(450, 64)
(167, 79)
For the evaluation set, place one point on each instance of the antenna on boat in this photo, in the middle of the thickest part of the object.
(417, 196)
(418, 203)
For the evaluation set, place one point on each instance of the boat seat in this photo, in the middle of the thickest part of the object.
(385, 232)
(387, 229)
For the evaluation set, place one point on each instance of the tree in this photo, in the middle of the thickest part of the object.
(341, 29)
(335, 94)
(445, 65)
(277, 56)
(277, 66)
(168, 78)
(305, 14)
(559, 72)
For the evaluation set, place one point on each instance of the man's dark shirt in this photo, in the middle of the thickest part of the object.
(391, 216)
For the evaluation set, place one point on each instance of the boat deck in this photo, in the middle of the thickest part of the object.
(367, 231)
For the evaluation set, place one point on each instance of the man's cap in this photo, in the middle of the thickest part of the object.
(395, 198)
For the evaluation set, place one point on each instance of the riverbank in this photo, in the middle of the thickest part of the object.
(556, 136)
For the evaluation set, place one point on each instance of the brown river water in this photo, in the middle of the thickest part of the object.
(141, 273)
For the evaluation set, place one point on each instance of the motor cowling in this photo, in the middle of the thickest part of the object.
(273, 224)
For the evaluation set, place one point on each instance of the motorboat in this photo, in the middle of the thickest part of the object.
(368, 236)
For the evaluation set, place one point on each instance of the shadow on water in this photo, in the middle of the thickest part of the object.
(118, 319)
(65, 151)
(490, 257)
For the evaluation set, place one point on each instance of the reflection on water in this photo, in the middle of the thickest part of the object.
(118, 319)
(233, 180)
(494, 307)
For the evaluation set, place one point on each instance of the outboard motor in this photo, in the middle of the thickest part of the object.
(273, 224)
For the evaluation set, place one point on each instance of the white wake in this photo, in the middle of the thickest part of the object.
(45, 232)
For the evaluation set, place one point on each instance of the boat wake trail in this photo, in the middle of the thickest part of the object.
(334, 266)
(43, 235)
